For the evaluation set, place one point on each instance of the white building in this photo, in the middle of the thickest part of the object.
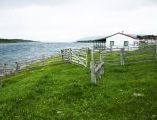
(116, 41)
(121, 40)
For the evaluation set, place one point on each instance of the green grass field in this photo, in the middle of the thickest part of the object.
(64, 92)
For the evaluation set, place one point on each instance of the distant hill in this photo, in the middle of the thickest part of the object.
(14, 40)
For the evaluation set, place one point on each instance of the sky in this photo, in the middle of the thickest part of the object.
(71, 20)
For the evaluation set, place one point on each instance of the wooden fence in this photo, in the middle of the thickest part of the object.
(123, 56)
(4, 70)
(99, 59)
(66, 55)
(80, 56)
(119, 56)
(96, 67)
(77, 56)
(7, 69)
(143, 54)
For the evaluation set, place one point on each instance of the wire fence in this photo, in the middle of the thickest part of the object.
(101, 58)
(124, 56)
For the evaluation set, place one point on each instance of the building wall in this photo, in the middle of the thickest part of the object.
(119, 41)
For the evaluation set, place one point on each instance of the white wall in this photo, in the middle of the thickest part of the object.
(119, 41)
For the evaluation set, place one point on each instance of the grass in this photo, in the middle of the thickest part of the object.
(64, 92)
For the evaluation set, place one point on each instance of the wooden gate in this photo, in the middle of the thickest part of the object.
(78, 56)
(97, 68)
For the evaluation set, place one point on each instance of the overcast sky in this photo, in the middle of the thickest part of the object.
(70, 20)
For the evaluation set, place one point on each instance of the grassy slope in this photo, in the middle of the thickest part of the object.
(63, 91)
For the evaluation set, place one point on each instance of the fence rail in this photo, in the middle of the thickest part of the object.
(120, 56)
(6, 69)
(77, 56)
(96, 68)
(123, 56)
(99, 59)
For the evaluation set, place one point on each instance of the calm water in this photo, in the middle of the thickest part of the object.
(16, 52)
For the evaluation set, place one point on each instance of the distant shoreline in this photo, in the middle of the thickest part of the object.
(14, 40)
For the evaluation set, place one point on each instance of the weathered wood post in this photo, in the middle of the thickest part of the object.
(101, 58)
(1, 81)
(17, 66)
(156, 48)
(62, 52)
(70, 55)
(5, 69)
(86, 57)
(122, 56)
(102, 61)
(43, 60)
(0, 76)
(3, 73)
(92, 67)
(111, 48)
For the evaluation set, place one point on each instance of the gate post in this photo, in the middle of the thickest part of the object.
(1, 75)
(70, 55)
(62, 55)
(86, 57)
(156, 49)
(92, 67)
(122, 56)
(17, 66)
(102, 61)
(5, 69)
(0, 82)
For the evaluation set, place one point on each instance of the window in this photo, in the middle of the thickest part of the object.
(111, 43)
(126, 43)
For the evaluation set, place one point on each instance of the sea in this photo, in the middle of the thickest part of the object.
(19, 52)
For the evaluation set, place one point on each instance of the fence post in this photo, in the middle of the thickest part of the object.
(101, 60)
(156, 48)
(92, 67)
(5, 71)
(0, 76)
(111, 48)
(17, 66)
(122, 56)
(1, 82)
(3, 74)
(70, 55)
(43, 60)
(62, 55)
(86, 57)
